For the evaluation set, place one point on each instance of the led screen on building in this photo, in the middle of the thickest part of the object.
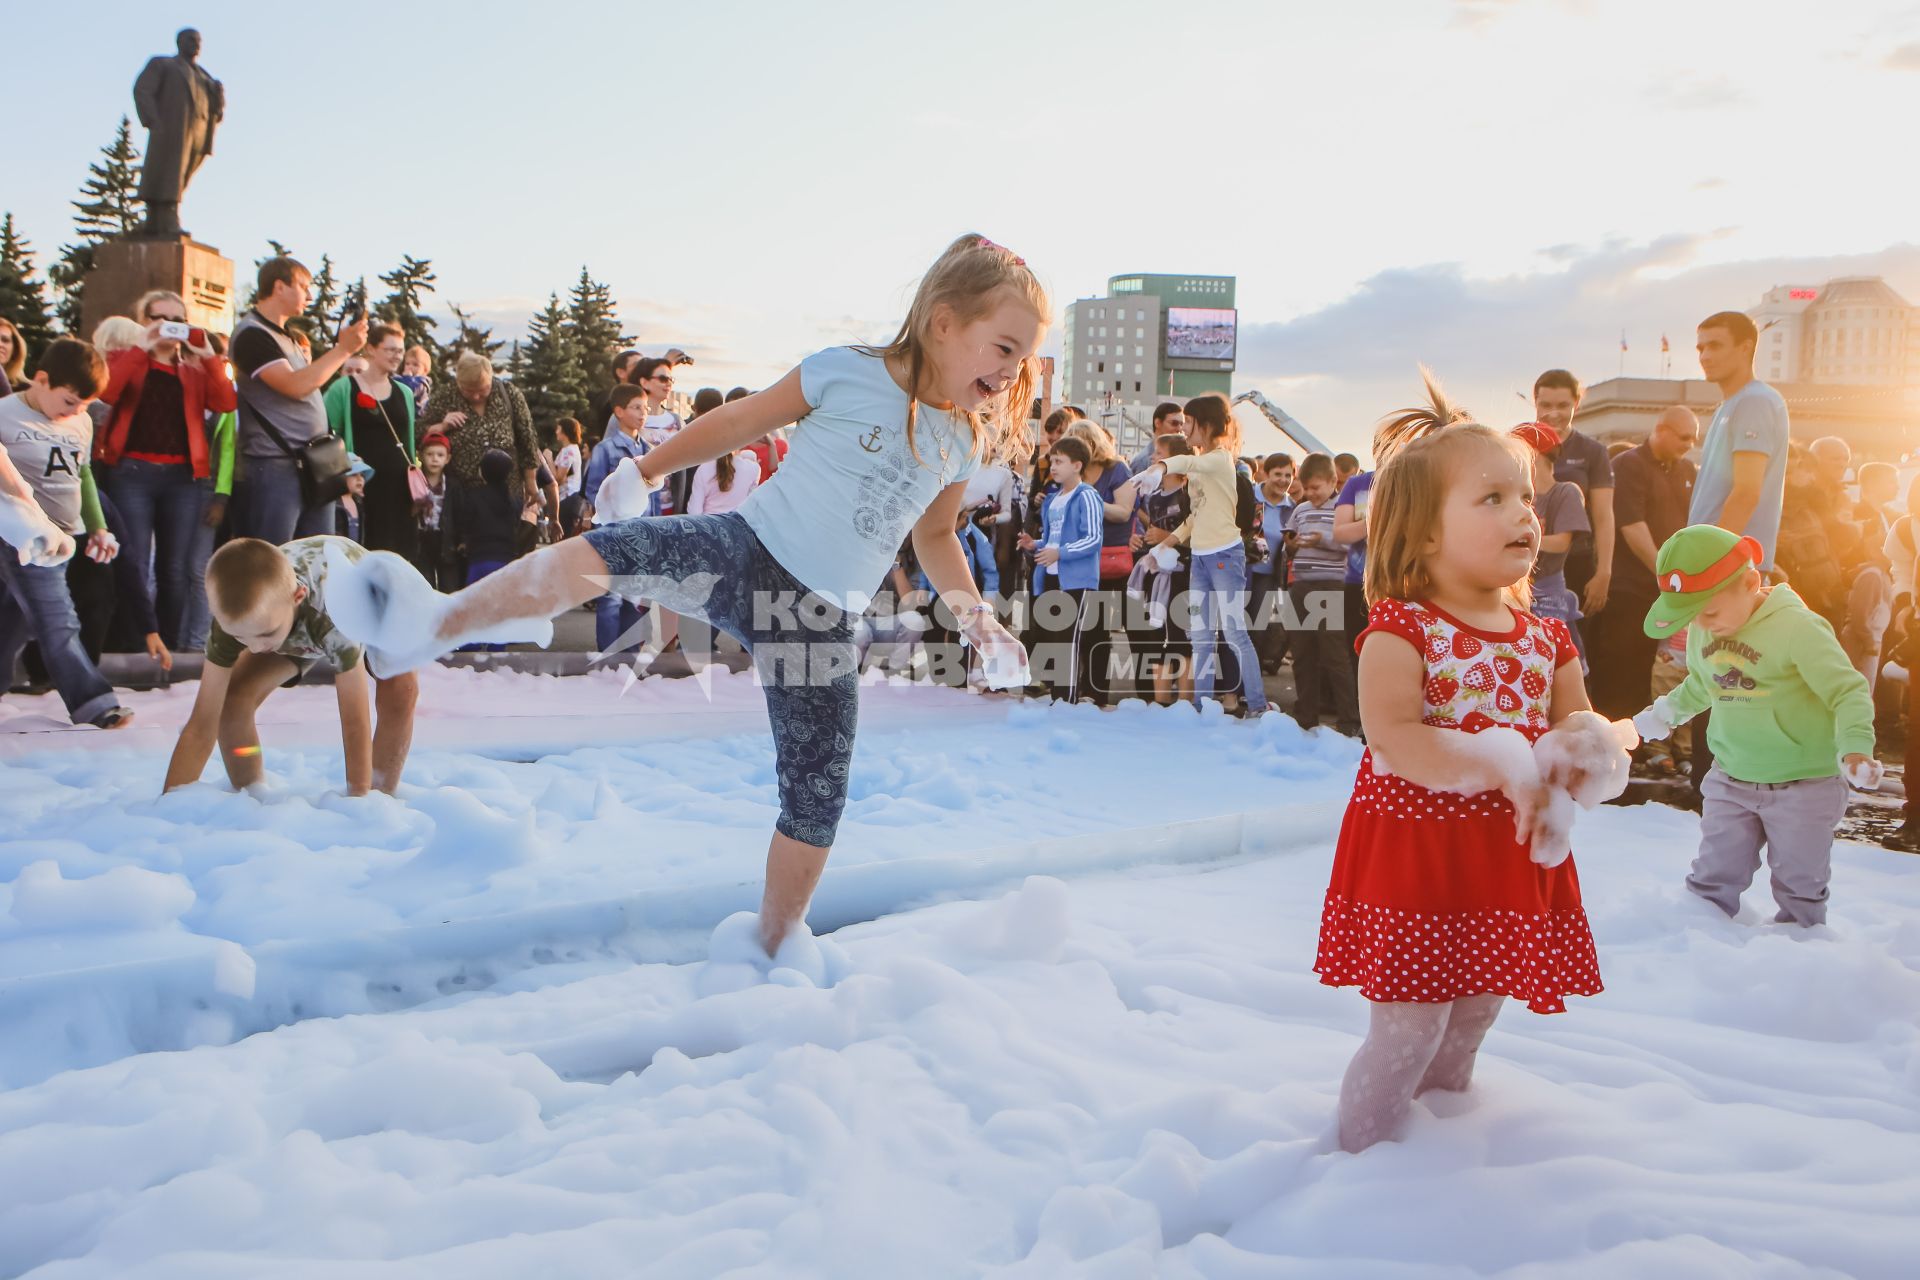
(1201, 333)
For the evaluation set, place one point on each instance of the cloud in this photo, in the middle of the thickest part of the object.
(1904, 58)
(1687, 92)
(1339, 368)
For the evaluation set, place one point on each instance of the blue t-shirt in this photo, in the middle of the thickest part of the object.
(1357, 493)
(1751, 420)
(836, 511)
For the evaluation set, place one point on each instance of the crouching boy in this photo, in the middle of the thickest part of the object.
(270, 625)
(1790, 716)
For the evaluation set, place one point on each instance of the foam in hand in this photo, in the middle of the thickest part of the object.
(625, 495)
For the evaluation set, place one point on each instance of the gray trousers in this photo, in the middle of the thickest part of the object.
(1794, 820)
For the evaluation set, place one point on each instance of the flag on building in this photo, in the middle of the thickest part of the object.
(1664, 348)
(1623, 339)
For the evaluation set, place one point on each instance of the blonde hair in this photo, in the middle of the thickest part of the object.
(1098, 441)
(1422, 449)
(16, 365)
(968, 278)
(471, 369)
(245, 573)
(152, 296)
(1403, 426)
(117, 333)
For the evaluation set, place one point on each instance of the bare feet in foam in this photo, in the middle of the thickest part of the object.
(386, 606)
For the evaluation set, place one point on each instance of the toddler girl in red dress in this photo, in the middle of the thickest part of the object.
(1438, 910)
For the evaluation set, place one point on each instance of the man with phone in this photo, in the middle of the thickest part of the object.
(281, 410)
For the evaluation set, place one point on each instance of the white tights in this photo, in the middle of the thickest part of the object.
(1409, 1049)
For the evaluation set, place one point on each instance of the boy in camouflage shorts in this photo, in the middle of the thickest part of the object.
(270, 626)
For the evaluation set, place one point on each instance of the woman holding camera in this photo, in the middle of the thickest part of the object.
(153, 459)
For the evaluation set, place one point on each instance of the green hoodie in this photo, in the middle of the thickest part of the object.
(1786, 702)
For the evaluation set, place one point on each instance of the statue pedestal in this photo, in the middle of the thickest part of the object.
(125, 269)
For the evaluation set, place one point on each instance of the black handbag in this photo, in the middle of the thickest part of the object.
(322, 463)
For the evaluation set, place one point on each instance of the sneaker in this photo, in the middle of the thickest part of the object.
(1906, 838)
(112, 718)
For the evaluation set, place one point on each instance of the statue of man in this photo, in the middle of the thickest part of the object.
(179, 104)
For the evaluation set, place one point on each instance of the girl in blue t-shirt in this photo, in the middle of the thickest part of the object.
(884, 441)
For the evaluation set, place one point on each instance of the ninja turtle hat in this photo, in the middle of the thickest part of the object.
(1695, 564)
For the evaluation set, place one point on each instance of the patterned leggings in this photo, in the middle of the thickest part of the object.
(713, 567)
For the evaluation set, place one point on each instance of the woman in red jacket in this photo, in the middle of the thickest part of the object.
(153, 457)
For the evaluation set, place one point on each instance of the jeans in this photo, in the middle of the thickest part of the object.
(1219, 584)
(36, 605)
(199, 616)
(266, 503)
(162, 505)
(804, 656)
(612, 619)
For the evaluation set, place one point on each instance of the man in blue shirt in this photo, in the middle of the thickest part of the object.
(1743, 462)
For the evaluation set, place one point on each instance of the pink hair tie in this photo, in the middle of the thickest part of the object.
(1018, 261)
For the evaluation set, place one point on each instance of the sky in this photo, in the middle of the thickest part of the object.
(1491, 187)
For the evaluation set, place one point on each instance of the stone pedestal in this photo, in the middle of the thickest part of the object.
(125, 269)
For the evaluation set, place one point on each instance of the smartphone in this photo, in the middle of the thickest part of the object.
(175, 331)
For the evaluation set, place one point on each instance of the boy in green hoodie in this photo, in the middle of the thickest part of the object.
(1790, 716)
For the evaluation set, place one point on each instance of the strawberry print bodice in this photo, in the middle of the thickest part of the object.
(1474, 680)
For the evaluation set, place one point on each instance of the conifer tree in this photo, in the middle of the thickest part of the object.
(596, 330)
(471, 337)
(409, 283)
(107, 208)
(555, 383)
(322, 320)
(23, 299)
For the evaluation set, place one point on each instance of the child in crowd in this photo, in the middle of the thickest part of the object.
(886, 438)
(616, 617)
(1791, 715)
(488, 525)
(1435, 908)
(416, 373)
(437, 561)
(1317, 593)
(270, 626)
(1066, 559)
(347, 514)
(47, 437)
(1562, 512)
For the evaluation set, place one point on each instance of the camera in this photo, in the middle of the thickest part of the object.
(175, 331)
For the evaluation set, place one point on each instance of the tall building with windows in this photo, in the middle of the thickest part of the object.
(1151, 338)
(1853, 332)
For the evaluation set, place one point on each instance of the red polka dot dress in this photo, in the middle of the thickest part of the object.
(1432, 898)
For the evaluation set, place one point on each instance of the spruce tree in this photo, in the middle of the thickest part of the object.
(410, 282)
(23, 299)
(473, 337)
(320, 316)
(107, 208)
(596, 330)
(555, 382)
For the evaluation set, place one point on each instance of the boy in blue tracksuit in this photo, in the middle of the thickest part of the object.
(1066, 575)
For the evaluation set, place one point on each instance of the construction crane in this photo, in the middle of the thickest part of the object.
(1283, 422)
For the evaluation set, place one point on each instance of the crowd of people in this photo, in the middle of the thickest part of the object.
(1186, 572)
(1477, 579)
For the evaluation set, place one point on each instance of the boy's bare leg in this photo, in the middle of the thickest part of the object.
(255, 676)
(543, 585)
(793, 870)
(393, 702)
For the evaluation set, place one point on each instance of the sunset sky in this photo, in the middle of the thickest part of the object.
(1492, 186)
